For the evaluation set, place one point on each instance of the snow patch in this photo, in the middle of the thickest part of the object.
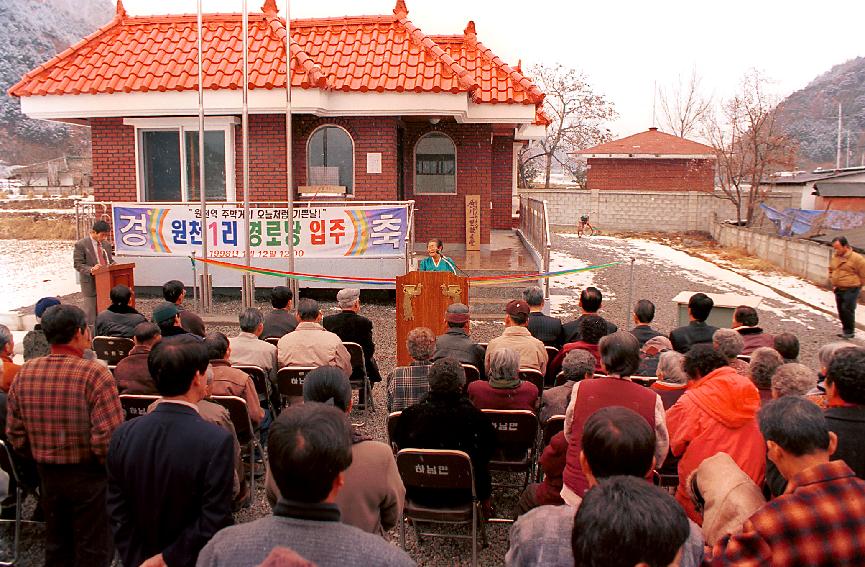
(32, 269)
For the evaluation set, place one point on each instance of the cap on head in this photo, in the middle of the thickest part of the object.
(457, 313)
(164, 312)
(346, 297)
(44, 304)
(517, 307)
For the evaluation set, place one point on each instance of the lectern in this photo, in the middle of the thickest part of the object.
(421, 301)
(110, 276)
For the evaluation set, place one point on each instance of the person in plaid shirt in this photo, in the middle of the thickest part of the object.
(62, 411)
(406, 385)
(820, 519)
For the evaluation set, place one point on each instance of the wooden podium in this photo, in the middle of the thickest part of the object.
(421, 301)
(110, 276)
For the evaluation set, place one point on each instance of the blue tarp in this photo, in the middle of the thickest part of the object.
(792, 222)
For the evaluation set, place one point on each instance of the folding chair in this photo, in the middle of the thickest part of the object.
(472, 373)
(273, 340)
(392, 421)
(444, 470)
(516, 435)
(549, 380)
(358, 361)
(644, 380)
(135, 405)
(549, 429)
(261, 383)
(246, 434)
(667, 482)
(112, 349)
(533, 376)
(289, 382)
(744, 358)
(7, 464)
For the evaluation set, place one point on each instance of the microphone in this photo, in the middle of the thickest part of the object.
(454, 266)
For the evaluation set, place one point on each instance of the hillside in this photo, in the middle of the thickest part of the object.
(811, 115)
(31, 32)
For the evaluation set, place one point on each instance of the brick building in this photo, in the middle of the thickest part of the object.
(380, 111)
(650, 161)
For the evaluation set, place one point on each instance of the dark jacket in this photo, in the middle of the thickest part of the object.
(354, 328)
(169, 485)
(118, 321)
(848, 423)
(450, 421)
(644, 333)
(458, 345)
(277, 323)
(571, 331)
(191, 322)
(694, 333)
(546, 329)
(132, 374)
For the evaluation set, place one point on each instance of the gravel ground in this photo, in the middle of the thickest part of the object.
(655, 278)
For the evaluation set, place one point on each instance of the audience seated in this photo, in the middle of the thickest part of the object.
(456, 343)
(644, 313)
(745, 321)
(696, 331)
(845, 416)
(280, 320)
(650, 355)
(167, 316)
(793, 379)
(620, 356)
(310, 344)
(446, 419)
(119, 320)
(593, 330)
(672, 380)
(516, 336)
(504, 389)
(729, 344)
(615, 441)
(577, 365)
(716, 413)
(7, 350)
(546, 329)
(246, 348)
(787, 345)
(373, 494)
(170, 473)
(590, 304)
(406, 385)
(35, 343)
(352, 327)
(764, 362)
(228, 381)
(818, 521)
(826, 355)
(132, 373)
(174, 292)
(310, 450)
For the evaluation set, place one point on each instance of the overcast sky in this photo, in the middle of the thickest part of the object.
(625, 46)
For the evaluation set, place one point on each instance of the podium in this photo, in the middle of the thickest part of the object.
(110, 276)
(421, 301)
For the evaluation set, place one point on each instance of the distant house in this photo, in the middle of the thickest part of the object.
(59, 176)
(803, 183)
(840, 195)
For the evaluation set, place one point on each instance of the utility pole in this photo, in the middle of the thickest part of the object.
(848, 149)
(838, 147)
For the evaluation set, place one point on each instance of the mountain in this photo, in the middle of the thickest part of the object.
(810, 115)
(31, 32)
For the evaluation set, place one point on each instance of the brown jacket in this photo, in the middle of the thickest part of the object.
(847, 270)
(132, 374)
(228, 381)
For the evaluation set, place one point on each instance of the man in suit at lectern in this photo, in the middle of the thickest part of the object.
(91, 253)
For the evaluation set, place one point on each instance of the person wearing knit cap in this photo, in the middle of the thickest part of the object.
(350, 326)
(650, 354)
(35, 343)
(456, 343)
(516, 336)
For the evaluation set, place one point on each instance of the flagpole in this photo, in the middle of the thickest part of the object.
(248, 281)
(206, 289)
(292, 283)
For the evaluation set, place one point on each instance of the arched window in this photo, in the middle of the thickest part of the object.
(330, 158)
(435, 165)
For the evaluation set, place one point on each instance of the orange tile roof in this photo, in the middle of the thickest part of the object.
(363, 53)
(651, 142)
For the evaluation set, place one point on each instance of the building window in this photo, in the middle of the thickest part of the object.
(435, 165)
(330, 159)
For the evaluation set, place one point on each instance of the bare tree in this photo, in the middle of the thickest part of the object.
(684, 107)
(578, 115)
(749, 143)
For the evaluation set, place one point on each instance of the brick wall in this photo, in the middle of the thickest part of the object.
(113, 160)
(502, 181)
(629, 174)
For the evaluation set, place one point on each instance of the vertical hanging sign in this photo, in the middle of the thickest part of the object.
(473, 222)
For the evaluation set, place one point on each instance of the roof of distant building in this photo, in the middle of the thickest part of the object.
(840, 188)
(802, 177)
(651, 143)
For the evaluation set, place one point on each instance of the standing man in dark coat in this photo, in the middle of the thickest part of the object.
(644, 313)
(590, 304)
(349, 326)
(89, 255)
(696, 331)
(546, 329)
(170, 472)
(456, 343)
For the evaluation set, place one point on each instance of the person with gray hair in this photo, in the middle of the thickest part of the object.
(577, 365)
(446, 419)
(310, 344)
(248, 349)
(729, 344)
(827, 353)
(456, 343)
(504, 389)
(546, 329)
(7, 350)
(672, 380)
(793, 379)
(406, 385)
(764, 362)
(352, 327)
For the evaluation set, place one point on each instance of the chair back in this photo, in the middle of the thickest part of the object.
(239, 413)
(392, 422)
(258, 376)
(273, 340)
(516, 430)
(644, 380)
(472, 373)
(356, 353)
(436, 469)
(744, 358)
(551, 427)
(551, 352)
(533, 376)
(7, 462)
(135, 405)
(112, 349)
(289, 380)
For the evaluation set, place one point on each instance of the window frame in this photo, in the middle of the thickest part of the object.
(414, 165)
(348, 192)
